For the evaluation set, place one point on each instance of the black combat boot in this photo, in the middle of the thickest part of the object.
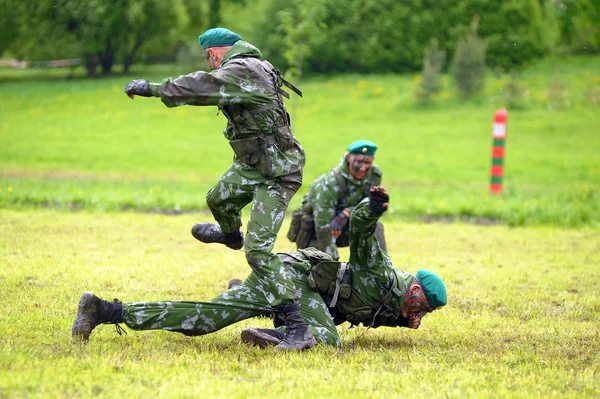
(234, 282)
(93, 311)
(297, 334)
(261, 337)
(210, 232)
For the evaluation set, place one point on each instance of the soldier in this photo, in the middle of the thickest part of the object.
(326, 208)
(367, 290)
(268, 161)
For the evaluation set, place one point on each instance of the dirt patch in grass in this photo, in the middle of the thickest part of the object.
(480, 221)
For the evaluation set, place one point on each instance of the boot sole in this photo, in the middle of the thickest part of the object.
(206, 240)
(82, 326)
(236, 246)
(253, 337)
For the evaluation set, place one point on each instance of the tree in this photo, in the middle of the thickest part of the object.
(389, 35)
(101, 32)
(10, 15)
(299, 23)
(152, 23)
(215, 7)
(579, 28)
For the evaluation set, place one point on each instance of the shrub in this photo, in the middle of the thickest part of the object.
(468, 66)
(558, 94)
(433, 63)
(516, 93)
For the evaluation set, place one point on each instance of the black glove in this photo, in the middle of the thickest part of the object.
(378, 200)
(338, 223)
(139, 87)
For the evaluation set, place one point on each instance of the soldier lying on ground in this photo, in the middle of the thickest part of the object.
(268, 161)
(322, 222)
(367, 290)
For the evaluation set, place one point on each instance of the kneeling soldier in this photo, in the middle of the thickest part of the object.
(326, 208)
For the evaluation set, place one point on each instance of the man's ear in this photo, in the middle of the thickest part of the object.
(416, 289)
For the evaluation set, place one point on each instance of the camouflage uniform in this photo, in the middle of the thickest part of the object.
(380, 286)
(378, 291)
(324, 201)
(249, 299)
(268, 161)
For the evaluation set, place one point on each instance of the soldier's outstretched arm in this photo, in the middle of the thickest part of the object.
(218, 87)
(363, 219)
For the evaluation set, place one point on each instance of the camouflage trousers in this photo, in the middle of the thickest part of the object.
(270, 198)
(247, 300)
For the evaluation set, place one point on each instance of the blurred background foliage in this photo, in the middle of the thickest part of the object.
(421, 78)
(363, 36)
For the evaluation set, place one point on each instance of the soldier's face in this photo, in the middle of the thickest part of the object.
(415, 303)
(359, 165)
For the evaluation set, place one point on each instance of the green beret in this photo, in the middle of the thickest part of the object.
(434, 288)
(362, 147)
(218, 37)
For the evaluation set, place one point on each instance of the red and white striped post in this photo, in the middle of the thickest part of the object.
(499, 135)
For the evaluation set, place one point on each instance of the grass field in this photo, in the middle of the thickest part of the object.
(83, 144)
(522, 319)
(98, 192)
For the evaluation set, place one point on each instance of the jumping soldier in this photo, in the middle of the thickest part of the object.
(267, 163)
(322, 222)
(367, 290)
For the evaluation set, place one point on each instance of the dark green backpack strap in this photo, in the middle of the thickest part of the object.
(388, 297)
(338, 281)
(393, 291)
(289, 85)
(342, 183)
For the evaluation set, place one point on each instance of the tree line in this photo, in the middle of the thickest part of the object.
(314, 36)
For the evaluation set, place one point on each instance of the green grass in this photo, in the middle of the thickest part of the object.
(74, 144)
(522, 319)
(524, 303)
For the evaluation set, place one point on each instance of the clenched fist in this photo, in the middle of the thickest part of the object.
(378, 200)
(139, 87)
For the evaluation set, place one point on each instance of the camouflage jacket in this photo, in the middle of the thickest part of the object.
(247, 90)
(376, 281)
(325, 200)
(377, 288)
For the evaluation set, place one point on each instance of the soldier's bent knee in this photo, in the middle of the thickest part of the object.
(255, 260)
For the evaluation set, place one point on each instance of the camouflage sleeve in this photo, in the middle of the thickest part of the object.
(324, 195)
(155, 89)
(362, 227)
(219, 87)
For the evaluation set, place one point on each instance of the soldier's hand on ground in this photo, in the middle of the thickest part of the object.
(139, 87)
(414, 321)
(337, 224)
(378, 200)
